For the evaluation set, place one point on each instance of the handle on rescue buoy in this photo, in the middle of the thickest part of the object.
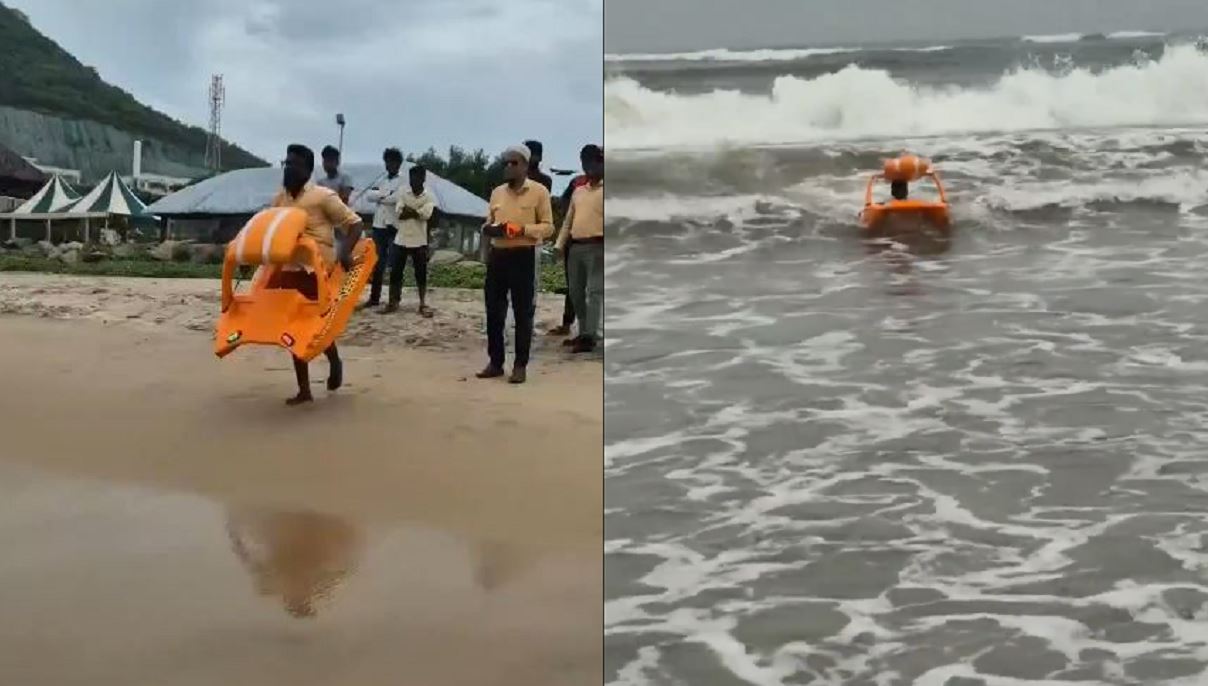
(228, 275)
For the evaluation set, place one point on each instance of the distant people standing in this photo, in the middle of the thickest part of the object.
(537, 153)
(568, 304)
(519, 218)
(385, 196)
(582, 241)
(332, 177)
(415, 208)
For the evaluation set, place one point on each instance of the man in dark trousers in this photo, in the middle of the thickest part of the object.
(415, 207)
(384, 195)
(326, 215)
(519, 218)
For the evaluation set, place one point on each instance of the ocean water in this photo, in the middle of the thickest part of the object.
(981, 460)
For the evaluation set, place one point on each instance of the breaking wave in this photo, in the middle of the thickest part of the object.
(860, 103)
(759, 55)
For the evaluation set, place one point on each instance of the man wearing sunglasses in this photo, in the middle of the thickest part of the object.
(519, 218)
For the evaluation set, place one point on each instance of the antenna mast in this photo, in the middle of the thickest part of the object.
(214, 139)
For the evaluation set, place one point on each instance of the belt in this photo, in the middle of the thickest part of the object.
(587, 241)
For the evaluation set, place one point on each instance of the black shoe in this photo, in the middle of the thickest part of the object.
(584, 345)
(300, 399)
(491, 372)
(367, 304)
(570, 342)
(390, 308)
(519, 376)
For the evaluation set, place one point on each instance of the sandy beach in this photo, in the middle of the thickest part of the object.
(166, 519)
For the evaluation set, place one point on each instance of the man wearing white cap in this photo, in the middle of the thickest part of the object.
(519, 218)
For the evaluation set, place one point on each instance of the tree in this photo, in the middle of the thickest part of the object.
(473, 171)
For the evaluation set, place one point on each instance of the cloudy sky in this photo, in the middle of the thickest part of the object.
(410, 73)
(678, 25)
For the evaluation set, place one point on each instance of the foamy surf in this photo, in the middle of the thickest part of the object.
(1054, 38)
(857, 103)
(759, 55)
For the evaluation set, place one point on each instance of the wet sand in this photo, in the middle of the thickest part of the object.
(166, 519)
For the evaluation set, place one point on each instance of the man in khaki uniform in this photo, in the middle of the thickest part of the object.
(582, 239)
(519, 218)
(325, 214)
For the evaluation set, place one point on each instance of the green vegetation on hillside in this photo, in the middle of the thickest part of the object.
(37, 75)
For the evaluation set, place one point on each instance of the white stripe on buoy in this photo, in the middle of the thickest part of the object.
(241, 239)
(272, 231)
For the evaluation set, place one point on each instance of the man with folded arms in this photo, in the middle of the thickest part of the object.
(415, 207)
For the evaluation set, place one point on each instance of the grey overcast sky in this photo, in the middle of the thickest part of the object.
(682, 25)
(409, 73)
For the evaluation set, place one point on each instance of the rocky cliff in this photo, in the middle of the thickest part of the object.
(93, 148)
(62, 112)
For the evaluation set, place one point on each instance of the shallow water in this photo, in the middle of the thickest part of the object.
(913, 461)
(111, 584)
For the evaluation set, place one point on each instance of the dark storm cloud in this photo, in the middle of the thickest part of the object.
(411, 74)
(674, 25)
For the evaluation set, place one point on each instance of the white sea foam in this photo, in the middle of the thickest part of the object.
(1185, 188)
(853, 103)
(1129, 35)
(725, 55)
(756, 55)
(1054, 38)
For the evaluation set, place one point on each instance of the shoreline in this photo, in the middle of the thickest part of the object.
(192, 304)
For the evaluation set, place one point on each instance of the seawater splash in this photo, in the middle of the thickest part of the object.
(856, 103)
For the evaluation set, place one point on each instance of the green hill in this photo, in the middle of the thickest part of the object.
(37, 75)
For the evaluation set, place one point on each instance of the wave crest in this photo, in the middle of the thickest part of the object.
(861, 103)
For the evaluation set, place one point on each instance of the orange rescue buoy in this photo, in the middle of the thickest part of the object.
(909, 212)
(274, 311)
(906, 168)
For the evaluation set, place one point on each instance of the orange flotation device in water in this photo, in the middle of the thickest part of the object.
(908, 169)
(275, 311)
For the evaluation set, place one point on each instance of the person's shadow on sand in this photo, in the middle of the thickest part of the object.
(300, 557)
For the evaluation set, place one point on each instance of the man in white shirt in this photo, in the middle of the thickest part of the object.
(414, 209)
(384, 194)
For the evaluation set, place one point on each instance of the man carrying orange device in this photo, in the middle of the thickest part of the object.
(325, 214)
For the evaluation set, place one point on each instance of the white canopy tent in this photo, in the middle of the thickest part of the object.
(111, 197)
(47, 205)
